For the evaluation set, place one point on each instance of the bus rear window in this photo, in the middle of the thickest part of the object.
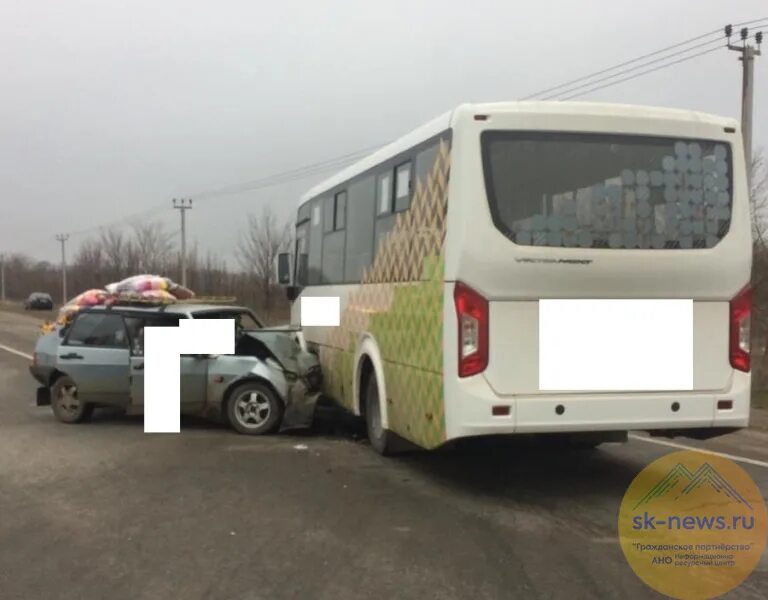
(607, 191)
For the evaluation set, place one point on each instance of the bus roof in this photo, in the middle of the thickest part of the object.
(426, 131)
(448, 119)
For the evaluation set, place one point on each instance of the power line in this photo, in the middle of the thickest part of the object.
(339, 161)
(286, 176)
(619, 65)
(636, 75)
(566, 88)
(121, 221)
(660, 67)
(267, 181)
(639, 58)
(720, 44)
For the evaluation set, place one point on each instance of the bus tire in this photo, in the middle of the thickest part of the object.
(382, 440)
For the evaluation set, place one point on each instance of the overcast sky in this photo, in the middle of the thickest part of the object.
(109, 108)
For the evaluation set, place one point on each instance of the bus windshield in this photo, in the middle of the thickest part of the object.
(607, 191)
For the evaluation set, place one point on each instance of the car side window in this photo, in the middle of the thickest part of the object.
(98, 330)
(136, 325)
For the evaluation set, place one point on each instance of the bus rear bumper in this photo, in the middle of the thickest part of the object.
(471, 411)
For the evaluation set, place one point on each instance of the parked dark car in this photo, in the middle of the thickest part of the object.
(38, 301)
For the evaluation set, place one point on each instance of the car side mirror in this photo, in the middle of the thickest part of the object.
(284, 268)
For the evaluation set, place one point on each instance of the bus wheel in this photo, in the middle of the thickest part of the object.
(381, 439)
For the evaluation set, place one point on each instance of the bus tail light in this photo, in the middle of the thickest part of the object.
(741, 311)
(472, 314)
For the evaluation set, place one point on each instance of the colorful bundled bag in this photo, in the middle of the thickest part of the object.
(88, 298)
(146, 287)
(141, 284)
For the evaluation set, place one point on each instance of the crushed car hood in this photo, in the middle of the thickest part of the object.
(283, 348)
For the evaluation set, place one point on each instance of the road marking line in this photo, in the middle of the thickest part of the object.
(16, 352)
(733, 457)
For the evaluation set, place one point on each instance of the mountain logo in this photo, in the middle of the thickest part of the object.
(682, 482)
(692, 525)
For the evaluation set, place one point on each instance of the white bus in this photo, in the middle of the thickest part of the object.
(444, 246)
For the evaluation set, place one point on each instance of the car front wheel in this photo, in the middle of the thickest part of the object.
(67, 406)
(254, 409)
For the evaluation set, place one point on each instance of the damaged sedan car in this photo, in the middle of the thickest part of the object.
(269, 384)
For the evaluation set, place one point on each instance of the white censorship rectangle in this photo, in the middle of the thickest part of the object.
(320, 311)
(615, 345)
(161, 371)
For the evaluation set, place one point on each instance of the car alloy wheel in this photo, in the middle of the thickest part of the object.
(252, 409)
(68, 400)
(66, 403)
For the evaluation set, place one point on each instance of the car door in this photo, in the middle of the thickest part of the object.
(194, 382)
(135, 326)
(96, 356)
(193, 368)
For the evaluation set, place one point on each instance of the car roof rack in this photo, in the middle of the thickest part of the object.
(123, 300)
(201, 300)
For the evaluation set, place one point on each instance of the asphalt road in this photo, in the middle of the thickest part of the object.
(105, 511)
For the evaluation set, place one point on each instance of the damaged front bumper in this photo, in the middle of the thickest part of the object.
(301, 400)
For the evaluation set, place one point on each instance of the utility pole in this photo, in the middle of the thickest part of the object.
(2, 278)
(62, 238)
(183, 205)
(747, 58)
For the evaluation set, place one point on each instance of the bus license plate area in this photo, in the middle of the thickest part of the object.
(615, 345)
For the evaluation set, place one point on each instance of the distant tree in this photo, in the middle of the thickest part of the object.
(759, 207)
(114, 247)
(87, 268)
(152, 246)
(258, 248)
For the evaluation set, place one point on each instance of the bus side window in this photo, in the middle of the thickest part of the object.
(315, 243)
(425, 161)
(302, 254)
(340, 214)
(403, 186)
(329, 205)
(384, 193)
(385, 207)
(334, 238)
(360, 216)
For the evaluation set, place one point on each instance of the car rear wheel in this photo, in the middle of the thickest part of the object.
(254, 409)
(67, 406)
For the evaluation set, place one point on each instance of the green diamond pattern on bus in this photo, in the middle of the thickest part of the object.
(400, 302)
(410, 341)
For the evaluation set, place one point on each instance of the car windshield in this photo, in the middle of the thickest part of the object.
(244, 319)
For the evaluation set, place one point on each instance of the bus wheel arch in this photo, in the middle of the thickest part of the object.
(369, 362)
